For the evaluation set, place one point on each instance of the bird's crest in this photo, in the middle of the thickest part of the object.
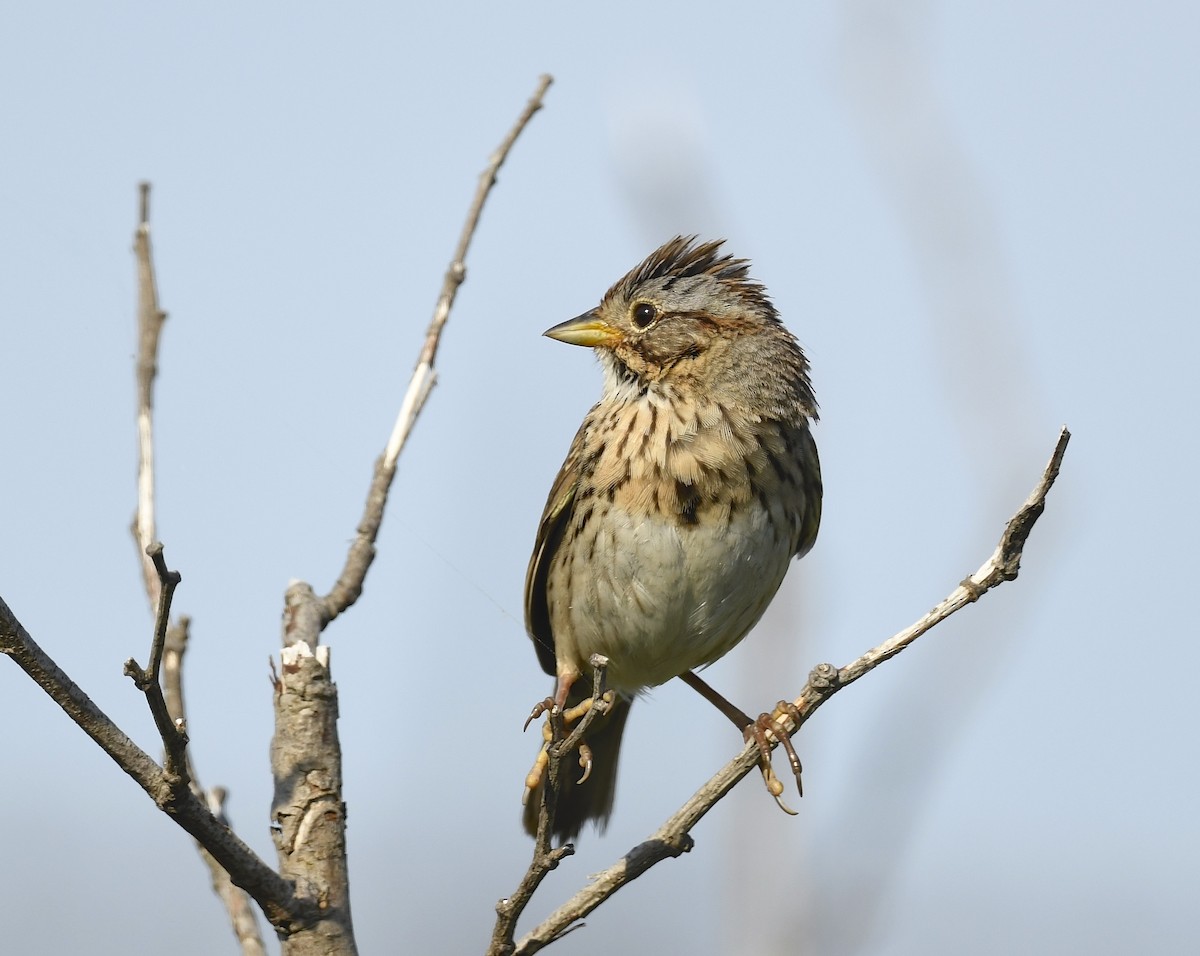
(684, 257)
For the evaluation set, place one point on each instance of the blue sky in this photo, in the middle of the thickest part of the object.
(979, 219)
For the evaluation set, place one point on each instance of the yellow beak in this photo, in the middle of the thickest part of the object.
(587, 329)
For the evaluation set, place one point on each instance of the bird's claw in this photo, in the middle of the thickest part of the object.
(569, 715)
(541, 707)
(772, 724)
(585, 761)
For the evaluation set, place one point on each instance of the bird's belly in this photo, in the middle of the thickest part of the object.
(658, 597)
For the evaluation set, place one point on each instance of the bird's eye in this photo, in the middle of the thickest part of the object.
(643, 314)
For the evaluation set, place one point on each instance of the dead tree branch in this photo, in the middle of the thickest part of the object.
(173, 734)
(277, 898)
(170, 641)
(362, 551)
(308, 812)
(150, 320)
(673, 838)
(308, 900)
(545, 856)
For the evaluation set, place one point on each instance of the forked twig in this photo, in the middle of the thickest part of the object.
(173, 734)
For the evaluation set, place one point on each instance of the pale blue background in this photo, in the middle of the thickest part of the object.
(979, 218)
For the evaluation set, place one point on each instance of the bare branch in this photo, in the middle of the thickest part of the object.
(150, 319)
(170, 642)
(160, 582)
(1002, 566)
(277, 897)
(174, 649)
(174, 736)
(308, 814)
(362, 552)
(545, 857)
(308, 811)
(673, 837)
(306, 697)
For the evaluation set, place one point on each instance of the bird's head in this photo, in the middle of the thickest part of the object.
(681, 303)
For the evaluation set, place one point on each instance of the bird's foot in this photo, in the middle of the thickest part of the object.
(757, 730)
(772, 724)
(554, 729)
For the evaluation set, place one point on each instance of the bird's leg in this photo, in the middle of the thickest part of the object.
(756, 729)
(740, 718)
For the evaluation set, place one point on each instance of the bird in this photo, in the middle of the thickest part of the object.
(687, 492)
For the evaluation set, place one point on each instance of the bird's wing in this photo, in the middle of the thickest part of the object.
(810, 473)
(560, 506)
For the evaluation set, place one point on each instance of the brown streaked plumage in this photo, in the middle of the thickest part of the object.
(687, 491)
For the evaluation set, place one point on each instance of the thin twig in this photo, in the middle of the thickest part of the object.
(174, 649)
(546, 857)
(178, 636)
(174, 737)
(150, 320)
(362, 551)
(673, 837)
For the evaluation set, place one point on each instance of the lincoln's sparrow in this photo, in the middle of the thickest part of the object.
(686, 493)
